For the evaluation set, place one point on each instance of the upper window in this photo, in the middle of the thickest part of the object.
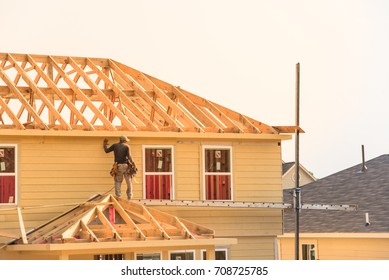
(8, 155)
(218, 173)
(158, 172)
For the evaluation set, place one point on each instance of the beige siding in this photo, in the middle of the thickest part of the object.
(341, 248)
(254, 248)
(257, 172)
(58, 172)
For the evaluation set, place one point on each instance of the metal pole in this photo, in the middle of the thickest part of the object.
(297, 192)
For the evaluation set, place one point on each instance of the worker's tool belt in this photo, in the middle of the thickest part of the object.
(114, 169)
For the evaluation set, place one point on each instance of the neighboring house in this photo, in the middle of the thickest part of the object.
(55, 112)
(289, 175)
(350, 235)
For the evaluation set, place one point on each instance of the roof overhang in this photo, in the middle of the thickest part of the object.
(143, 134)
(124, 246)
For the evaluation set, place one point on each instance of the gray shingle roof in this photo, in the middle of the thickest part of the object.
(368, 189)
(286, 166)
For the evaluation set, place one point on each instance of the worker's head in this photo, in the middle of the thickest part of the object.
(123, 139)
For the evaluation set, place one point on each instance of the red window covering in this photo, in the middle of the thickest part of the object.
(218, 187)
(7, 189)
(158, 186)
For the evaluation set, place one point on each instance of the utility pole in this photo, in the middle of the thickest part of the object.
(297, 190)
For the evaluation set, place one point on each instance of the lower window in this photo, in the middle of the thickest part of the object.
(7, 174)
(220, 254)
(308, 252)
(182, 255)
(109, 257)
(148, 256)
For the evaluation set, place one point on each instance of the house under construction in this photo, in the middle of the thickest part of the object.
(56, 192)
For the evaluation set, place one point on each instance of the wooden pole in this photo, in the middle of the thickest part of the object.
(297, 192)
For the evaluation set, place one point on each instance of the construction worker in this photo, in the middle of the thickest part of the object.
(122, 163)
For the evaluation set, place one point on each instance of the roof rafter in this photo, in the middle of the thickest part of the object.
(107, 124)
(60, 94)
(42, 96)
(102, 96)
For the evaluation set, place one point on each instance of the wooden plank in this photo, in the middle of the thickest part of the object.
(102, 96)
(22, 228)
(107, 124)
(36, 90)
(10, 114)
(107, 224)
(60, 94)
(25, 104)
(124, 215)
(127, 101)
(154, 105)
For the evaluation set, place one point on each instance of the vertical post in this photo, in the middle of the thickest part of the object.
(297, 192)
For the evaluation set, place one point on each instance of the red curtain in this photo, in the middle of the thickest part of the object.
(218, 187)
(7, 189)
(158, 186)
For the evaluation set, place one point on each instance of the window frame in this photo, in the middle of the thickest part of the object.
(183, 251)
(148, 253)
(314, 244)
(145, 173)
(15, 173)
(230, 173)
(216, 250)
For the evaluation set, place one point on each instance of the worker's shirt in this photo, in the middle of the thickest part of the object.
(121, 152)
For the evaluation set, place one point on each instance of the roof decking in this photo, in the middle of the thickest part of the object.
(44, 92)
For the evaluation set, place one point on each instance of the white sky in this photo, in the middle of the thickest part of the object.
(241, 54)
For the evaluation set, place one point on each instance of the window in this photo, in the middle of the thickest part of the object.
(148, 256)
(109, 257)
(217, 172)
(8, 156)
(220, 254)
(308, 252)
(182, 255)
(158, 175)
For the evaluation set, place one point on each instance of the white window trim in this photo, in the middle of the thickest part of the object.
(182, 251)
(313, 242)
(213, 147)
(16, 173)
(144, 147)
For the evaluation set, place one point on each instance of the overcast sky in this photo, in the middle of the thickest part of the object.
(242, 55)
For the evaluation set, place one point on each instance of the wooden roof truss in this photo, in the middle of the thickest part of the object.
(111, 219)
(77, 93)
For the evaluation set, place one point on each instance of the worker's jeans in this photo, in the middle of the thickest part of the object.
(122, 172)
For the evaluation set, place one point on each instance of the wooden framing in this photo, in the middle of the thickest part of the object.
(109, 219)
(94, 94)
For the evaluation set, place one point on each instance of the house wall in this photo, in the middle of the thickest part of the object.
(340, 248)
(58, 172)
(288, 181)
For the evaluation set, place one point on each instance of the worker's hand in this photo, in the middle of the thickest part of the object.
(105, 141)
